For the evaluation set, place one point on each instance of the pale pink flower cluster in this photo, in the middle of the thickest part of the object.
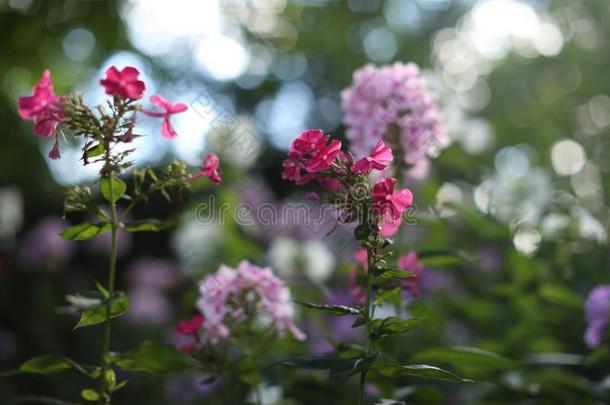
(392, 103)
(237, 294)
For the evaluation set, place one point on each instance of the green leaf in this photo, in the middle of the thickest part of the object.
(338, 374)
(392, 296)
(85, 231)
(157, 358)
(112, 188)
(359, 322)
(95, 150)
(393, 325)
(561, 296)
(339, 368)
(147, 225)
(393, 369)
(337, 310)
(45, 364)
(119, 386)
(443, 257)
(90, 395)
(388, 274)
(465, 358)
(110, 379)
(119, 304)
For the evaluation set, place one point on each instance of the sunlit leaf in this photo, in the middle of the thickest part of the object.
(119, 304)
(85, 231)
(112, 188)
(45, 364)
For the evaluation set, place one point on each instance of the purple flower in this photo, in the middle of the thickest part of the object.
(188, 389)
(226, 293)
(597, 309)
(153, 273)
(42, 244)
(392, 103)
(148, 306)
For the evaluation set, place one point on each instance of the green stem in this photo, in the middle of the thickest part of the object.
(111, 277)
(367, 318)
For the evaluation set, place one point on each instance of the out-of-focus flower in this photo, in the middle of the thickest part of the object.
(410, 262)
(8, 344)
(169, 109)
(209, 169)
(42, 245)
(123, 83)
(42, 107)
(153, 272)
(393, 103)
(148, 306)
(597, 309)
(189, 389)
(246, 292)
(190, 326)
(379, 159)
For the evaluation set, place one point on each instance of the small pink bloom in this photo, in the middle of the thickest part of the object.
(330, 183)
(323, 157)
(410, 262)
(42, 107)
(54, 153)
(190, 326)
(169, 109)
(379, 159)
(123, 83)
(386, 201)
(209, 169)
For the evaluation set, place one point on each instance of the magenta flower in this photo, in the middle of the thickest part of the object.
(169, 109)
(209, 169)
(323, 157)
(308, 143)
(410, 262)
(43, 107)
(597, 309)
(388, 202)
(123, 83)
(392, 103)
(379, 159)
(190, 326)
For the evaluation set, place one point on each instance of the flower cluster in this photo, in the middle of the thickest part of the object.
(48, 110)
(393, 104)
(247, 293)
(597, 309)
(314, 156)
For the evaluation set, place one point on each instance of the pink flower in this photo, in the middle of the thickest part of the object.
(388, 202)
(308, 143)
(393, 103)
(123, 83)
(379, 159)
(410, 262)
(190, 326)
(323, 157)
(226, 294)
(169, 108)
(43, 107)
(209, 169)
